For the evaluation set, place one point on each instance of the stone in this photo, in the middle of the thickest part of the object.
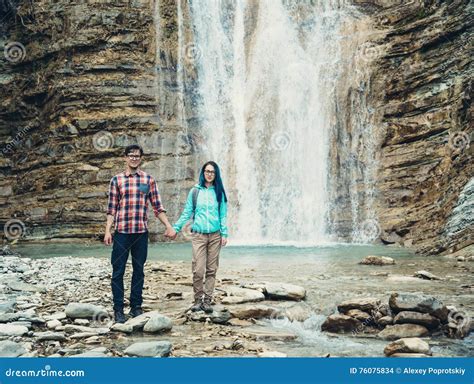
(13, 330)
(158, 324)
(359, 315)
(338, 323)
(48, 335)
(266, 334)
(424, 319)
(137, 323)
(284, 291)
(219, 315)
(400, 331)
(252, 311)
(53, 324)
(240, 323)
(81, 321)
(9, 317)
(419, 303)
(25, 287)
(237, 295)
(426, 275)
(365, 304)
(124, 328)
(271, 354)
(385, 320)
(11, 349)
(56, 316)
(377, 260)
(408, 345)
(149, 349)
(85, 311)
(70, 328)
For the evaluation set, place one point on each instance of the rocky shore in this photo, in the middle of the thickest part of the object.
(62, 307)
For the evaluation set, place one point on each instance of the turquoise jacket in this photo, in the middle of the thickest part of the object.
(206, 217)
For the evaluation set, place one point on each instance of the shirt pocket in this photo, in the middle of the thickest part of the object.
(144, 188)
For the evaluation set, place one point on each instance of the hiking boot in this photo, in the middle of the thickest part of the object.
(197, 306)
(134, 312)
(119, 317)
(206, 306)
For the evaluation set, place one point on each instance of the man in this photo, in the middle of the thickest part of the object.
(129, 193)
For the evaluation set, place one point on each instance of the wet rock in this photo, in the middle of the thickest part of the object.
(408, 345)
(338, 323)
(359, 315)
(426, 275)
(400, 331)
(377, 260)
(294, 311)
(11, 349)
(424, 319)
(385, 320)
(7, 307)
(265, 334)
(124, 328)
(271, 354)
(50, 336)
(406, 279)
(236, 295)
(252, 311)
(158, 323)
(13, 330)
(365, 304)
(9, 317)
(137, 323)
(284, 291)
(149, 349)
(85, 311)
(413, 302)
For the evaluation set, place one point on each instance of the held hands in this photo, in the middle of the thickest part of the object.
(108, 238)
(224, 241)
(170, 233)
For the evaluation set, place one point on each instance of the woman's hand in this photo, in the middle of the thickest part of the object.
(224, 241)
(170, 233)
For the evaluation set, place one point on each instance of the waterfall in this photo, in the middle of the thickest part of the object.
(267, 74)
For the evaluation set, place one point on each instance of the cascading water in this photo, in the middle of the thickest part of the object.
(267, 75)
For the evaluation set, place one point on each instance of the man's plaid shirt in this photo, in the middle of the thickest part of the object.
(128, 201)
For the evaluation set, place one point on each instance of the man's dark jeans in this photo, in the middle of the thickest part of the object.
(137, 243)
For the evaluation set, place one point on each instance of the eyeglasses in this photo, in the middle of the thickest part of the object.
(133, 157)
(209, 172)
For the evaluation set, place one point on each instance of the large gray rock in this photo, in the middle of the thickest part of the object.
(125, 328)
(418, 303)
(149, 349)
(85, 311)
(407, 345)
(11, 349)
(252, 311)
(365, 304)
(12, 330)
(70, 328)
(412, 317)
(426, 275)
(338, 323)
(400, 331)
(50, 336)
(377, 260)
(158, 324)
(25, 287)
(237, 295)
(284, 291)
(137, 323)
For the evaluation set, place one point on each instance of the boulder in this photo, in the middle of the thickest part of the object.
(418, 303)
(12, 330)
(426, 275)
(359, 315)
(149, 349)
(85, 311)
(11, 349)
(377, 260)
(158, 323)
(236, 295)
(366, 304)
(124, 328)
(408, 345)
(338, 323)
(252, 311)
(50, 336)
(70, 328)
(53, 324)
(284, 291)
(424, 319)
(385, 320)
(400, 331)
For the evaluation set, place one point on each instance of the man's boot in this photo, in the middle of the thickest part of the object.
(206, 305)
(119, 317)
(134, 312)
(197, 306)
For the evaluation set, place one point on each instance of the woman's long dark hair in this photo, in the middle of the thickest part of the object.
(218, 185)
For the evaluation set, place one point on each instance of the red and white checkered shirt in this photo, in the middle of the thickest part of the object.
(128, 201)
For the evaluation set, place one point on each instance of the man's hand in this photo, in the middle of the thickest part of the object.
(224, 241)
(170, 233)
(108, 238)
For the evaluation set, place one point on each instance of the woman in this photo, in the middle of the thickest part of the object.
(207, 204)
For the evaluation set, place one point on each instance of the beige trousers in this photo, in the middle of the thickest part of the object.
(206, 249)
